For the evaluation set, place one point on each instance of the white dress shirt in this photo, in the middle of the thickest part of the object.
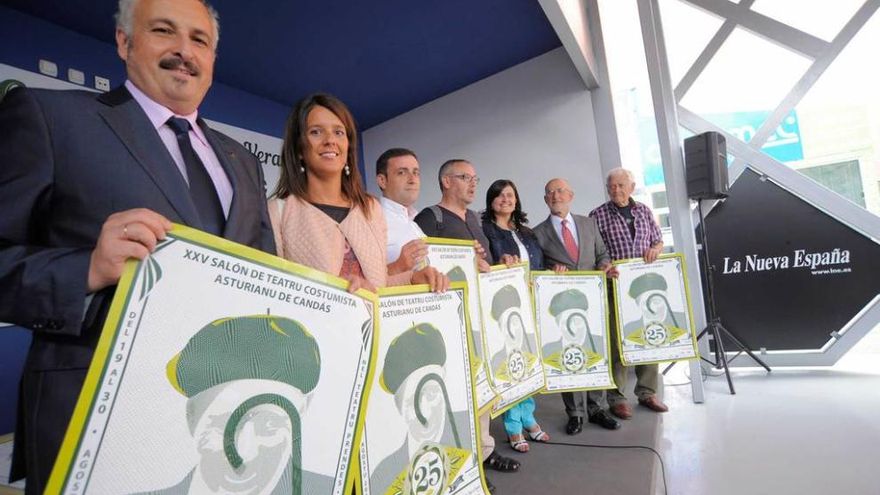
(523, 251)
(401, 228)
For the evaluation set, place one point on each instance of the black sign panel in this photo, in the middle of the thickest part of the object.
(786, 275)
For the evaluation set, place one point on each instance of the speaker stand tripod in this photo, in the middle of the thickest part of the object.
(714, 325)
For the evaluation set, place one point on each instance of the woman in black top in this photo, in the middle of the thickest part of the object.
(509, 242)
(504, 224)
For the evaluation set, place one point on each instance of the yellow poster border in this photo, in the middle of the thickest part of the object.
(112, 325)
(495, 268)
(690, 310)
(404, 290)
(608, 330)
(446, 241)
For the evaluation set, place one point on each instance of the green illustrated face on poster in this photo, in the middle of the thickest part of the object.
(659, 325)
(414, 373)
(265, 438)
(456, 274)
(248, 442)
(507, 312)
(579, 348)
(419, 436)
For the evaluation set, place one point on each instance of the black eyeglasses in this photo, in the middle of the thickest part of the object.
(473, 179)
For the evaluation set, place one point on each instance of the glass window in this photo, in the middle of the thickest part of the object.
(745, 81)
(843, 178)
(839, 118)
(631, 93)
(821, 19)
(658, 199)
(683, 46)
(663, 220)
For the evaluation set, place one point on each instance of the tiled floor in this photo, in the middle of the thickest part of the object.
(804, 431)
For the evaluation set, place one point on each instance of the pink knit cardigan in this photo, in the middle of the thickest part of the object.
(306, 235)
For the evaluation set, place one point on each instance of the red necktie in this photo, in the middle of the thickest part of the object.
(568, 240)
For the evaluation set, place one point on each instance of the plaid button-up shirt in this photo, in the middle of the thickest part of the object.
(616, 235)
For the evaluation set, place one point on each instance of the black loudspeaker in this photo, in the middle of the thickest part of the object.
(705, 159)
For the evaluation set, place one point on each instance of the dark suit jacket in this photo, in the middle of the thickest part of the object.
(501, 242)
(69, 159)
(592, 252)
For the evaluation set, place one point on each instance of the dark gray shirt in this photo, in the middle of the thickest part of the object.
(452, 226)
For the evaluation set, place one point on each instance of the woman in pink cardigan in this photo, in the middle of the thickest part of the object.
(321, 214)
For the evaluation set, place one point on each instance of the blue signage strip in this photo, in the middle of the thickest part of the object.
(784, 145)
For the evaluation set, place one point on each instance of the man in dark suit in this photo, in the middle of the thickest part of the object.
(89, 181)
(572, 242)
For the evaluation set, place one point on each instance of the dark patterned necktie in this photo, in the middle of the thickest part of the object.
(201, 187)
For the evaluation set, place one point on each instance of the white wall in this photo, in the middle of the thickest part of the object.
(530, 123)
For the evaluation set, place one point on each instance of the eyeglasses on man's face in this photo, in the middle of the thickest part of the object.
(558, 190)
(470, 179)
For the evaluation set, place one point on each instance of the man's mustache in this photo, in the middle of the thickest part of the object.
(174, 63)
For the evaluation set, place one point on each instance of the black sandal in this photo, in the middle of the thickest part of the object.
(500, 463)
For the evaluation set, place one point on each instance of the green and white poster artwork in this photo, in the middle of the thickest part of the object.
(222, 369)
(571, 312)
(654, 317)
(511, 341)
(421, 431)
(458, 259)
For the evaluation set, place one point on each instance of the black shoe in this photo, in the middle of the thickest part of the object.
(490, 486)
(603, 419)
(498, 462)
(575, 425)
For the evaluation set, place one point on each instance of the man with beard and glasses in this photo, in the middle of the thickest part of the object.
(452, 219)
(90, 180)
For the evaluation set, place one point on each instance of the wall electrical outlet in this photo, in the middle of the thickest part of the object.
(76, 76)
(48, 68)
(102, 83)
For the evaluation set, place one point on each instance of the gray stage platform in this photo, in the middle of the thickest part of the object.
(557, 469)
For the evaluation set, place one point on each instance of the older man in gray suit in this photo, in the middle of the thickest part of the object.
(573, 242)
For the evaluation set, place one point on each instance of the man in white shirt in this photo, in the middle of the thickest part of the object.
(397, 174)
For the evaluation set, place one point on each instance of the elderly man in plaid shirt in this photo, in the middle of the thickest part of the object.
(629, 230)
